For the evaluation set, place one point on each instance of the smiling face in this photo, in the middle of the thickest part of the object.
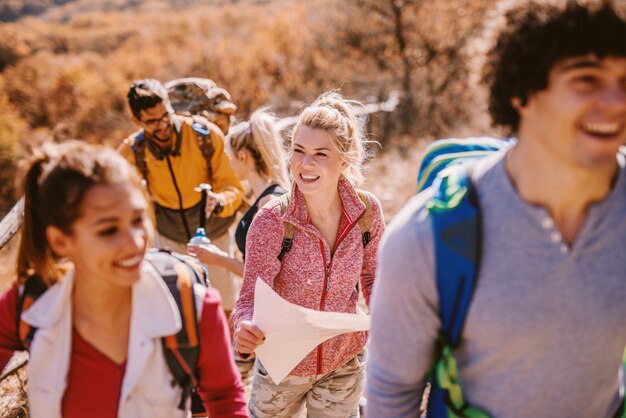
(316, 163)
(108, 241)
(156, 122)
(580, 118)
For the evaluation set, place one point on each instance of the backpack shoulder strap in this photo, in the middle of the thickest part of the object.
(455, 216)
(30, 292)
(365, 221)
(203, 134)
(138, 146)
(180, 273)
(456, 223)
(289, 228)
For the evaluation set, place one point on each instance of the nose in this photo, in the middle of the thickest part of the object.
(614, 96)
(164, 122)
(307, 160)
(136, 238)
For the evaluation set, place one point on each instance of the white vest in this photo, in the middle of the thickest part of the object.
(146, 387)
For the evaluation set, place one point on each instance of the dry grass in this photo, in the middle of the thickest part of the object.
(7, 264)
(13, 403)
(392, 174)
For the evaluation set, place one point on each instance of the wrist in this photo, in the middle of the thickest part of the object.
(222, 259)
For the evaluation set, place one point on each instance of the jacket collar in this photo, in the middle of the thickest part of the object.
(49, 308)
(298, 214)
(154, 309)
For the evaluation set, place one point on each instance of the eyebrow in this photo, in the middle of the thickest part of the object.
(314, 149)
(110, 219)
(580, 63)
(107, 220)
(156, 119)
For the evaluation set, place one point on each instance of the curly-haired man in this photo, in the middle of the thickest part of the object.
(546, 330)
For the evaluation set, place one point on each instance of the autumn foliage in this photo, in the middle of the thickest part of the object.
(66, 74)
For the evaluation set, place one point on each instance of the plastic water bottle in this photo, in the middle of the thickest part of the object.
(200, 238)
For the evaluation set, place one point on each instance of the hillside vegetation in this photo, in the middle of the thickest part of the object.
(66, 72)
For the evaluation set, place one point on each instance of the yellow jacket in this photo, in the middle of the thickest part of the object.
(189, 169)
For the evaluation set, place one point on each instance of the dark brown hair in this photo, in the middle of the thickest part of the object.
(537, 34)
(146, 93)
(54, 181)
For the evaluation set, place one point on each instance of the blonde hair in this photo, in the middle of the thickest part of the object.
(336, 115)
(260, 137)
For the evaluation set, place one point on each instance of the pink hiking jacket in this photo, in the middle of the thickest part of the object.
(310, 275)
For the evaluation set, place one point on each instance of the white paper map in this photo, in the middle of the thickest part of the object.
(292, 331)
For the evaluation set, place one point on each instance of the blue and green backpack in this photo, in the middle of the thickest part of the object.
(457, 226)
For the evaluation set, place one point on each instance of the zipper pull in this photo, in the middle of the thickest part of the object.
(327, 276)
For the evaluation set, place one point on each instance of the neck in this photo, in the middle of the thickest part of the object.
(566, 191)
(258, 183)
(323, 206)
(92, 298)
(160, 146)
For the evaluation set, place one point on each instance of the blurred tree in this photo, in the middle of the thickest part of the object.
(12, 129)
(11, 10)
(422, 44)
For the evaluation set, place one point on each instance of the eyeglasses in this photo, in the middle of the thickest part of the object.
(153, 123)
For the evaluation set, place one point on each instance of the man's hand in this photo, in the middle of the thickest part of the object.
(214, 204)
(248, 337)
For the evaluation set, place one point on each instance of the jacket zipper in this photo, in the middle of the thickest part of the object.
(323, 299)
(327, 279)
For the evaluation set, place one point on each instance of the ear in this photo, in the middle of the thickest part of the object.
(59, 241)
(517, 104)
(242, 155)
(135, 120)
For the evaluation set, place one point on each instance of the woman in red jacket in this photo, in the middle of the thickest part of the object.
(322, 270)
(97, 350)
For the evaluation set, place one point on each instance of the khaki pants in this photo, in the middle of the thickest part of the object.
(331, 395)
(220, 278)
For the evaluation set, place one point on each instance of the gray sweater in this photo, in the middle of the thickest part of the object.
(546, 330)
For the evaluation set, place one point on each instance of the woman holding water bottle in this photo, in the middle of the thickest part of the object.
(256, 154)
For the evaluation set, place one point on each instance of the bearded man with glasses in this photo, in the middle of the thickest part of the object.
(175, 154)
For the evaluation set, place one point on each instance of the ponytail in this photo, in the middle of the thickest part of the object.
(34, 255)
(260, 137)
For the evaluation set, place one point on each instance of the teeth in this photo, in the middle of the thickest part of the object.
(130, 262)
(602, 128)
(309, 177)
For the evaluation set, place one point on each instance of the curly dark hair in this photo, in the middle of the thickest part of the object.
(539, 34)
(144, 94)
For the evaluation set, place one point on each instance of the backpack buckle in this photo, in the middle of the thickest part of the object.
(366, 238)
